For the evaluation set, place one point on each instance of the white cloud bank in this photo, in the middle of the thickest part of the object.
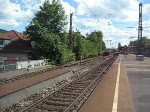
(89, 15)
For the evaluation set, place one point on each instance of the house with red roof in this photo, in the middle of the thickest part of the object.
(14, 46)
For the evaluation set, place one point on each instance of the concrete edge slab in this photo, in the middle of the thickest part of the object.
(13, 98)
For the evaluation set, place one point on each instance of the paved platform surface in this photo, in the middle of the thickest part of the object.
(102, 99)
(139, 79)
(134, 88)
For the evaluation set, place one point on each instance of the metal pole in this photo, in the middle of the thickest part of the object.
(70, 32)
(140, 30)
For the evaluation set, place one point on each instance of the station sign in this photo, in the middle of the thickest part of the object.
(12, 59)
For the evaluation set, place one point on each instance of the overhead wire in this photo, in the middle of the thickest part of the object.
(92, 13)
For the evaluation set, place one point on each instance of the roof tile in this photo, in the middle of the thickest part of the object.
(13, 35)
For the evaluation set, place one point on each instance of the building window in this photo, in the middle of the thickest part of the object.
(7, 42)
(1, 43)
(1, 62)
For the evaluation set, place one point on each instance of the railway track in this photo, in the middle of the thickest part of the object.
(12, 79)
(71, 97)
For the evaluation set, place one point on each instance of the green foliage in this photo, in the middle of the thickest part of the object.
(67, 55)
(77, 45)
(48, 47)
(88, 47)
(51, 18)
(145, 46)
(2, 31)
(119, 46)
(46, 30)
(51, 42)
(103, 47)
(145, 43)
(96, 38)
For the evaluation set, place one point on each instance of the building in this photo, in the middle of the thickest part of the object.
(132, 49)
(14, 47)
(123, 49)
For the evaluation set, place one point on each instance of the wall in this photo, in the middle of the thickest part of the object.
(23, 65)
(30, 64)
(8, 54)
(12, 55)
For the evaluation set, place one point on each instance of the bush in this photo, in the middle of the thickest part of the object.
(66, 55)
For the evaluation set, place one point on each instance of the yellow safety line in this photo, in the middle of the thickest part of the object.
(115, 102)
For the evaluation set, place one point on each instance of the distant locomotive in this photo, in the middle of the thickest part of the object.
(106, 53)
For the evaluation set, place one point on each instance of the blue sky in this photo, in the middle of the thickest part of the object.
(112, 17)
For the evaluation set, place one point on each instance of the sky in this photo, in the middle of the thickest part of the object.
(112, 17)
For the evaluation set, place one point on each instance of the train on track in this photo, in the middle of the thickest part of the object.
(109, 52)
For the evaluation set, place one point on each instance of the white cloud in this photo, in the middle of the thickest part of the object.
(102, 15)
(10, 22)
(10, 12)
(89, 15)
(68, 8)
(120, 10)
(13, 11)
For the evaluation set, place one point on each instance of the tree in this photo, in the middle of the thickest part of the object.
(77, 44)
(103, 46)
(45, 29)
(119, 46)
(2, 31)
(96, 38)
(51, 19)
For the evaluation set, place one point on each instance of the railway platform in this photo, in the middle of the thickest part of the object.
(114, 94)
(124, 88)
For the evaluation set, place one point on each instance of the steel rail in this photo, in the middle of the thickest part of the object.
(99, 77)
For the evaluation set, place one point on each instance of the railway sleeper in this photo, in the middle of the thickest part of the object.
(48, 109)
(62, 103)
(83, 82)
(78, 86)
(67, 96)
(61, 99)
(72, 88)
(69, 93)
(79, 82)
(81, 85)
(68, 90)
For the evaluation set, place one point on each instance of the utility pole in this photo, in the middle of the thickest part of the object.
(140, 30)
(70, 33)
